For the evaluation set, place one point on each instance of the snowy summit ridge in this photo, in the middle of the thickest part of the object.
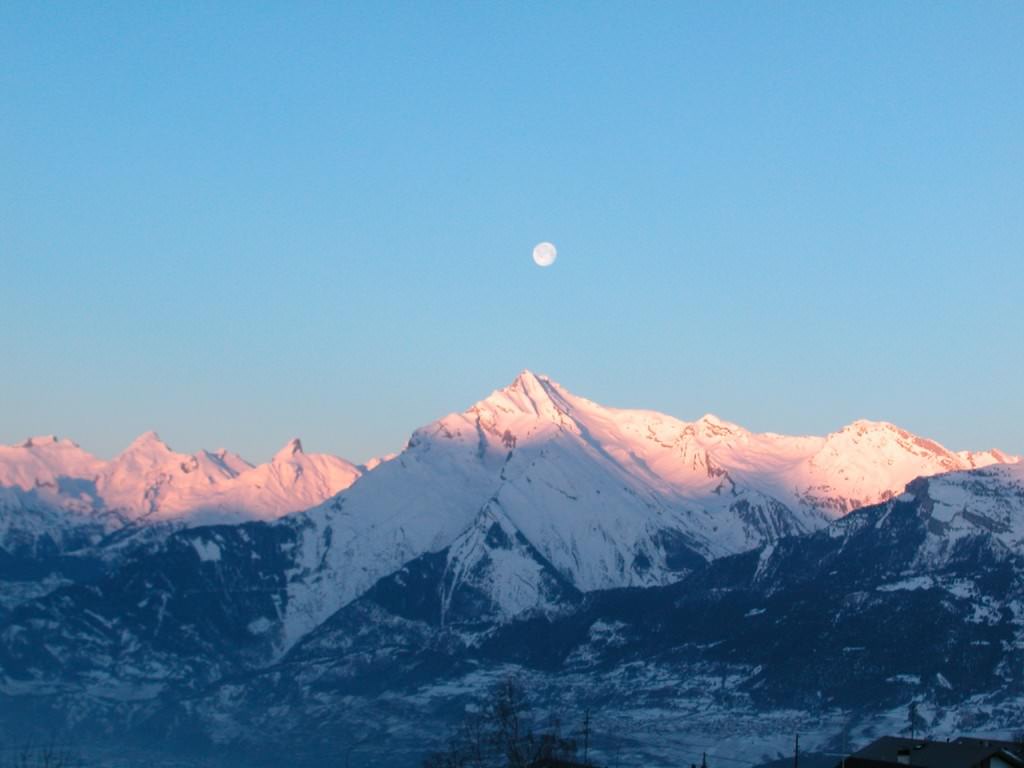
(526, 505)
(605, 497)
(149, 482)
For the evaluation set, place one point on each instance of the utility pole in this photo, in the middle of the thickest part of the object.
(796, 752)
(586, 736)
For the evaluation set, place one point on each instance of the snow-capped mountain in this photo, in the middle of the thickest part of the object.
(66, 515)
(920, 598)
(608, 497)
(492, 540)
(49, 487)
(588, 497)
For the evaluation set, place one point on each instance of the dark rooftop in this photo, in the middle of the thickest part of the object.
(965, 752)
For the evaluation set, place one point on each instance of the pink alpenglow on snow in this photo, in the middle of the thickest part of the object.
(149, 481)
(609, 497)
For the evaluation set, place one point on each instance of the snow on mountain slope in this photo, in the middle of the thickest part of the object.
(789, 634)
(40, 461)
(496, 519)
(158, 484)
(47, 498)
(49, 486)
(866, 462)
(155, 483)
(986, 501)
(493, 573)
(957, 507)
(609, 497)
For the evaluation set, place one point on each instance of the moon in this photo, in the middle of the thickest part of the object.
(544, 254)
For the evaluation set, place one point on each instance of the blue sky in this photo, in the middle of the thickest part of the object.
(238, 222)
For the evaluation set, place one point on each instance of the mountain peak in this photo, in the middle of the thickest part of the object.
(148, 442)
(1002, 457)
(712, 426)
(527, 381)
(290, 450)
(867, 425)
(714, 421)
(530, 393)
(886, 433)
(39, 440)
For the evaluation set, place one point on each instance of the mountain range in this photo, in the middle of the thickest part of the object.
(689, 570)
